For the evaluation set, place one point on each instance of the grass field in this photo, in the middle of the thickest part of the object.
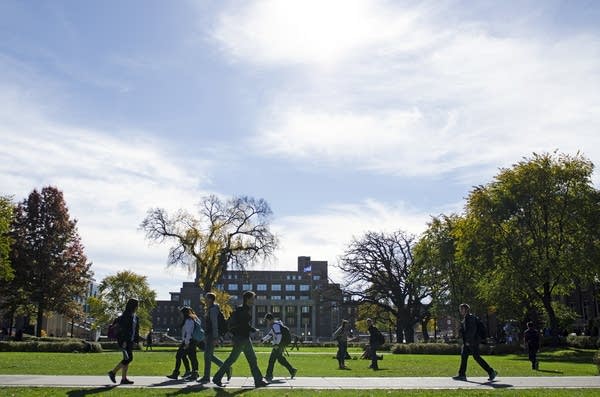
(310, 362)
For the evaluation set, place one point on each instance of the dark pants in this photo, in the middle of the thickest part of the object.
(373, 353)
(474, 351)
(209, 356)
(181, 356)
(532, 350)
(277, 355)
(191, 353)
(342, 352)
(240, 344)
(127, 353)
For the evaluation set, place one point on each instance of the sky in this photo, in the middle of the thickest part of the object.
(346, 116)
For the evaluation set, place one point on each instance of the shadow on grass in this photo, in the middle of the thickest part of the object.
(550, 371)
(218, 391)
(492, 384)
(87, 392)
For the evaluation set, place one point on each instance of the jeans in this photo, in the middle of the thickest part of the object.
(342, 352)
(474, 351)
(209, 356)
(373, 353)
(181, 356)
(277, 355)
(240, 344)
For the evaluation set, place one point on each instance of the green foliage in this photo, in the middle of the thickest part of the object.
(114, 292)
(425, 348)
(72, 346)
(6, 241)
(583, 342)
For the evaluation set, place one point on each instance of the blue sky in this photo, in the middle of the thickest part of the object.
(346, 116)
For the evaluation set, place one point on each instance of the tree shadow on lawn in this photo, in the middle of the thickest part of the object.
(86, 392)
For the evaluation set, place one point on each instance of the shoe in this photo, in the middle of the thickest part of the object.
(229, 372)
(174, 375)
(293, 373)
(186, 374)
(192, 377)
(269, 378)
(493, 375)
(111, 375)
(459, 377)
(204, 380)
(217, 383)
(261, 383)
(126, 381)
(537, 365)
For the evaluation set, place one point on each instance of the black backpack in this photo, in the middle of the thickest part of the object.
(481, 330)
(379, 336)
(233, 322)
(286, 335)
(113, 328)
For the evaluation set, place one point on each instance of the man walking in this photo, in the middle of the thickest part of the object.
(240, 327)
(275, 334)
(471, 341)
(532, 340)
(212, 337)
(376, 339)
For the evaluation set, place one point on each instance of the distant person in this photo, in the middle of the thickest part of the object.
(276, 335)
(376, 340)
(296, 343)
(182, 354)
(211, 325)
(241, 328)
(149, 340)
(127, 335)
(341, 336)
(471, 341)
(532, 340)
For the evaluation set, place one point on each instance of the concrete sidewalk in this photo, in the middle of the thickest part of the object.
(312, 382)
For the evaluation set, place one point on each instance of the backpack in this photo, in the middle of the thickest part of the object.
(233, 321)
(198, 333)
(222, 324)
(113, 329)
(481, 331)
(379, 337)
(286, 335)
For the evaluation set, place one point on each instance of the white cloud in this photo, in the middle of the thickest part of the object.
(409, 92)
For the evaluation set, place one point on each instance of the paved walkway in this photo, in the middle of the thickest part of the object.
(314, 382)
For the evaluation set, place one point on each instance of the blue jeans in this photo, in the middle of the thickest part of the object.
(240, 344)
(209, 356)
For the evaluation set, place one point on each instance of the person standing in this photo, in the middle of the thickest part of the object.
(149, 340)
(182, 351)
(376, 339)
(240, 327)
(275, 334)
(532, 340)
(471, 341)
(212, 337)
(341, 336)
(128, 334)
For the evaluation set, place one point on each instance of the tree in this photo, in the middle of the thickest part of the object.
(6, 218)
(535, 229)
(114, 292)
(233, 233)
(380, 270)
(50, 266)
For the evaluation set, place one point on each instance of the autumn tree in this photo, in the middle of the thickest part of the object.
(50, 266)
(6, 218)
(380, 270)
(113, 293)
(232, 233)
(534, 229)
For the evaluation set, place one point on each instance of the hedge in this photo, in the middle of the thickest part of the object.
(73, 346)
(583, 342)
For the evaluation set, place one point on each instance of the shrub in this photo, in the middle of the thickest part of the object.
(582, 342)
(596, 360)
(72, 346)
(425, 348)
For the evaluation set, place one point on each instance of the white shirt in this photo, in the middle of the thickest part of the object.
(274, 333)
(187, 330)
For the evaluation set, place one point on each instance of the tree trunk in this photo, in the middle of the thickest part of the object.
(547, 301)
(39, 321)
(409, 333)
(399, 330)
(424, 322)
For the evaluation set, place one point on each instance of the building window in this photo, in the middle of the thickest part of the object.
(305, 309)
(316, 277)
(290, 287)
(232, 287)
(291, 321)
(304, 287)
(305, 321)
(261, 309)
(276, 287)
(219, 287)
(275, 309)
(290, 298)
(247, 287)
(175, 298)
(187, 302)
(304, 297)
(261, 287)
(276, 297)
(261, 297)
(290, 309)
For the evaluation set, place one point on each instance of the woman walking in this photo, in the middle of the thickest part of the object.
(128, 333)
(182, 352)
(341, 336)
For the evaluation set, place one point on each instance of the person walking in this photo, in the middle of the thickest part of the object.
(182, 354)
(240, 327)
(276, 335)
(532, 339)
(212, 337)
(341, 336)
(127, 335)
(376, 339)
(471, 340)
(296, 344)
(149, 340)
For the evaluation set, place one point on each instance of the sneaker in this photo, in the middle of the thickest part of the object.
(269, 378)
(493, 375)
(261, 383)
(229, 372)
(192, 377)
(186, 374)
(174, 375)
(217, 383)
(111, 375)
(293, 373)
(126, 381)
(204, 380)
(459, 377)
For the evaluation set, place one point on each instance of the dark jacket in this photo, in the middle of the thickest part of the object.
(374, 336)
(127, 333)
(532, 338)
(240, 324)
(468, 330)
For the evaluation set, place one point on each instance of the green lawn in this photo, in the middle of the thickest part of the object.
(310, 362)
(108, 392)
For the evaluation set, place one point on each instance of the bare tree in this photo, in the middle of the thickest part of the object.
(380, 270)
(234, 233)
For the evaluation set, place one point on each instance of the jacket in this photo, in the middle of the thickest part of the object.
(187, 330)
(129, 328)
(240, 326)
(212, 321)
(274, 333)
(468, 330)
